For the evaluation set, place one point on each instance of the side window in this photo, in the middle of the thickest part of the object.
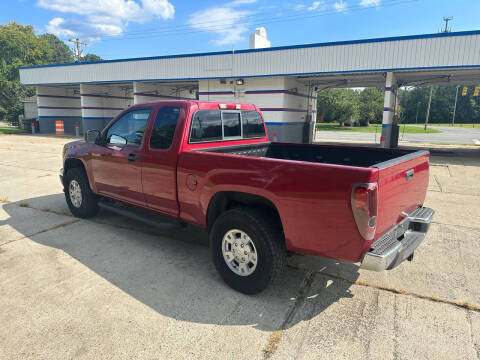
(164, 127)
(130, 127)
(206, 126)
(252, 124)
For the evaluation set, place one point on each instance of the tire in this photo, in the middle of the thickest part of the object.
(268, 244)
(83, 204)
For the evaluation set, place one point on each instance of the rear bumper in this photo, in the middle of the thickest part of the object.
(400, 242)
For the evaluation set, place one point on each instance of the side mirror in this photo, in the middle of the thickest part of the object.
(117, 140)
(92, 136)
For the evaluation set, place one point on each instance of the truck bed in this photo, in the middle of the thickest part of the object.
(326, 154)
(311, 186)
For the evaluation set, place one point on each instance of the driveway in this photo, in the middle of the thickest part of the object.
(111, 288)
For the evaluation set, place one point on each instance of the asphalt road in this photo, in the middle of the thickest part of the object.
(448, 135)
(112, 288)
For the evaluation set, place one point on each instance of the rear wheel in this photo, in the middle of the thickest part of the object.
(81, 201)
(248, 249)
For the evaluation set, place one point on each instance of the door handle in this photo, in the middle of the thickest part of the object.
(132, 157)
(409, 174)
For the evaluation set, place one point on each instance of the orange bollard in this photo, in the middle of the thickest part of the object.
(59, 127)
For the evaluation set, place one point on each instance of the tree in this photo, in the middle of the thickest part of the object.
(370, 108)
(61, 53)
(346, 105)
(443, 100)
(91, 57)
(337, 105)
(325, 105)
(19, 46)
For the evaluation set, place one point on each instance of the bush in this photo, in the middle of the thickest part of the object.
(363, 122)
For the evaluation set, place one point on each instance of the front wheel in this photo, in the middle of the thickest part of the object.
(248, 249)
(81, 201)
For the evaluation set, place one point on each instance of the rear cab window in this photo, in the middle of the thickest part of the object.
(224, 125)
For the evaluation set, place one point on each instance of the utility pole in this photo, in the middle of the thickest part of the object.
(77, 51)
(447, 19)
(428, 108)
(416, 116)
(455, 106)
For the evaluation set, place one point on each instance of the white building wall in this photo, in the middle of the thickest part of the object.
(58, 103)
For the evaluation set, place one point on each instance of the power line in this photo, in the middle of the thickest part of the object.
(255, 20)
(214, 22)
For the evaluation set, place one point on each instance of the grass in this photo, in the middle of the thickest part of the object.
(457, 125)
(409, 129)
(10, 130)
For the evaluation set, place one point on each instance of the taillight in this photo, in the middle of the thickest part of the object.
(364, 207)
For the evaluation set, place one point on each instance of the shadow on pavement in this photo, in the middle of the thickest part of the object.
(171, 271)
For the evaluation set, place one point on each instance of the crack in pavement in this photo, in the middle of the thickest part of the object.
(276, 336)
(456, 225)
(457, 303)
(63, 224)
(26, 167)
(438, 183)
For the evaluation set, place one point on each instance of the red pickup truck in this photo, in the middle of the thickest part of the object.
(211, 164)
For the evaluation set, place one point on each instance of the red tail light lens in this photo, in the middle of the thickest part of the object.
(364, 207)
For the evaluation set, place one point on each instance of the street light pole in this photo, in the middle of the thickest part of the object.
(455, 106)
(428, 108)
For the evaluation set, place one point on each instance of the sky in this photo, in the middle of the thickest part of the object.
(136, 28)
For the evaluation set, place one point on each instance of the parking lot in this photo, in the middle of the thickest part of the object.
(110, 287)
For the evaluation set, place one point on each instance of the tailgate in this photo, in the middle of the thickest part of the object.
(402, 186)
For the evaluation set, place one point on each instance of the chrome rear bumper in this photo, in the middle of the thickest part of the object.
(400, 242)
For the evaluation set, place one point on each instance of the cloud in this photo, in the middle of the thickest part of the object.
(340, 6)
(57, 26)
(368, 3)
(226, 21)
(315, 5)
(94, 18)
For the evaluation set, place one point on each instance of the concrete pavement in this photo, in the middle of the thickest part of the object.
(110, 287)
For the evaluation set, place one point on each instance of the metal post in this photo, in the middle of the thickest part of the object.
(77, 130)
(455, 106)
(33, 127)
(389, 106)
(428, 108)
